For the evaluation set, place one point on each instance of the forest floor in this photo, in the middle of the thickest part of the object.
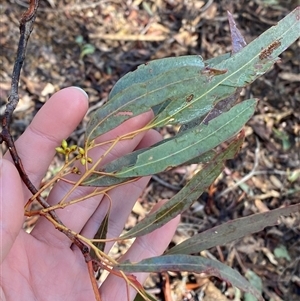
(92, 44)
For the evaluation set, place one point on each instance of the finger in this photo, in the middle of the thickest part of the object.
(11, 214)
(150, 245)
(54, 122)
(76, 215)
(123, 197)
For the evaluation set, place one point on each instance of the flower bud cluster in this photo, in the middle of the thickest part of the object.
(66, 150)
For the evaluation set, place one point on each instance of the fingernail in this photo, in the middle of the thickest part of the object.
(78, 88)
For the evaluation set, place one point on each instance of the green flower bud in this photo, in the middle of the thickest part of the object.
(81, 151)
(73, 148)
(60, 150)
(64, 144)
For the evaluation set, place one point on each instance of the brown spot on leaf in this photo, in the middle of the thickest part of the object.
(125, 113)
(213, 71)
(265, 53)
(189, 98)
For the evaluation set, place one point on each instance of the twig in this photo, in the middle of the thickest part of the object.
(26, 26)
(92, 277)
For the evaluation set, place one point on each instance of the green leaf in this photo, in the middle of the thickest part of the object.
(101, 234)
(191, 143)
(232, 230)
(204, 158)
(87, 49)
(256, 281)
(187, 195)
(282, 252)
(294, 175)
(195, 264)
(97, 180)
(79, 40)
(139, 297)
(284, 137)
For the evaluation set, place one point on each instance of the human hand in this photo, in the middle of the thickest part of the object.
(43, 265)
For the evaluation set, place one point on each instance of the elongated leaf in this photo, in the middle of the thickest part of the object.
(231, 230)
(139, 297)
(127, 160)
(195, 264)
(101, 234)
(191, 143)
(187, 195)
(96, 180)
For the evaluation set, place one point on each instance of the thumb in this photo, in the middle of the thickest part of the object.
(11, 206)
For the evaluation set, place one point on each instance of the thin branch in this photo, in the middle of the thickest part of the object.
(93, 280)
(26, 26)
